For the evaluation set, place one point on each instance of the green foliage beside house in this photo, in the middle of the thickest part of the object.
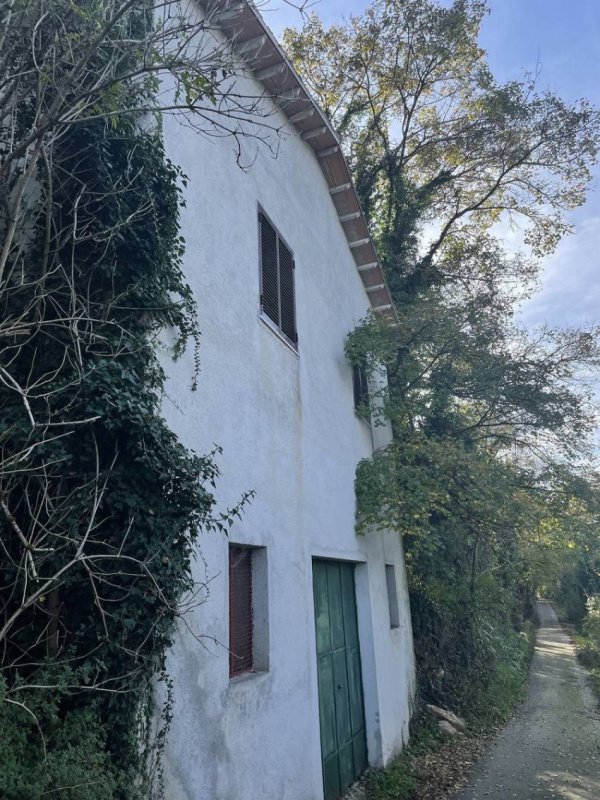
(489, 469)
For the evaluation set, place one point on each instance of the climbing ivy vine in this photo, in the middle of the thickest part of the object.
(101, 506)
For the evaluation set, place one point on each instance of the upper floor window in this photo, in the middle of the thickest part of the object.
(392, 593)
(277, 300)
(361, 388)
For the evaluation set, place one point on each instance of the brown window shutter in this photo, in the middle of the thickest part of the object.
(277, 300)
(269, 271)
(286, 283)
(240, 611)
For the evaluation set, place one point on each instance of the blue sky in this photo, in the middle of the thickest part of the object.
(563, 36)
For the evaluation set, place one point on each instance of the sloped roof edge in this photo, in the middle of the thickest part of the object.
(257, 46)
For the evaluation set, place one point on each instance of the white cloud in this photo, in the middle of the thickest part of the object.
(570, 292)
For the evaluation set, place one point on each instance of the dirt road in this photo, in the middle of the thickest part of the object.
(552, 747)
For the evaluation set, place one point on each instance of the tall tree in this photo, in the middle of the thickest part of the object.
(446, 159)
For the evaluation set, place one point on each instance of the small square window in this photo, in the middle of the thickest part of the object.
(248, 610)
(392, 593)
(277, 300)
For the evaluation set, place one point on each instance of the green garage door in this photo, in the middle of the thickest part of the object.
(341, 709)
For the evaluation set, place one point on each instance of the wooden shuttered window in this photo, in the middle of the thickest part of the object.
(241, 623)
(277, 298)
(269, 270)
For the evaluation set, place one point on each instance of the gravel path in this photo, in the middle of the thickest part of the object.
(551, 750)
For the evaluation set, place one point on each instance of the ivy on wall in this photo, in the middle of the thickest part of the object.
(101, 506)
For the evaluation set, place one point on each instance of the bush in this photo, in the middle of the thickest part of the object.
(45, 752)
(507, 680)
(588, 645)
(591, 624)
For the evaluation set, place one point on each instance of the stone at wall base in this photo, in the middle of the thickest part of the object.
(441, 713)
(448, 729)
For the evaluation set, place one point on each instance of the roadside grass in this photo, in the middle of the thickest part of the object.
(399, 780)
(506, 688)
(434, 765)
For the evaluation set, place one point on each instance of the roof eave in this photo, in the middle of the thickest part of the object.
(257, 46)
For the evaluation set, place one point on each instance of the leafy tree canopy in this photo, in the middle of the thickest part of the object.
(487, 476)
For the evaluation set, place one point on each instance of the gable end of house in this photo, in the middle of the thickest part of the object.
(257, 46)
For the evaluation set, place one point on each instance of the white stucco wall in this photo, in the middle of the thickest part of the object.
(288, 430)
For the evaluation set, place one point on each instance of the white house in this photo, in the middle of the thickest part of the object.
(305, 672)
